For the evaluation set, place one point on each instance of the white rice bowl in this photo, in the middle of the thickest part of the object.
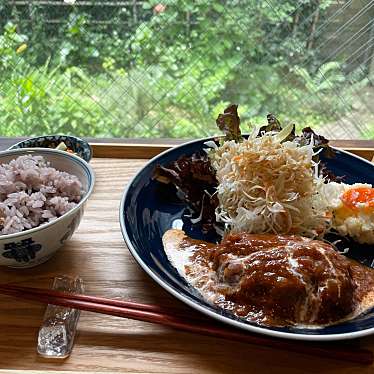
(49, 195)
(32, 192)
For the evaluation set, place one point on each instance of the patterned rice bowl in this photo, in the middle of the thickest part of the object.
(79, 146)
(34, 246)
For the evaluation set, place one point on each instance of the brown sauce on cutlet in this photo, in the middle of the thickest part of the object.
(280, 280)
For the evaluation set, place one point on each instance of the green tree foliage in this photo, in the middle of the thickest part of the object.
(163, 70)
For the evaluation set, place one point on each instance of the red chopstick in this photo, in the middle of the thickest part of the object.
(29, 292)
(155, 314)
(88, 298)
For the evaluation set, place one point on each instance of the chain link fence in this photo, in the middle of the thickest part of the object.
(167, 68)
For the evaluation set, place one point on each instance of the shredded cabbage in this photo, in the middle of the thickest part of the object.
(266, 185)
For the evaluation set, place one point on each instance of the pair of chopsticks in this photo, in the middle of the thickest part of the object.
(166, 317)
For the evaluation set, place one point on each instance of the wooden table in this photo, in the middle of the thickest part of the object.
(99, 255)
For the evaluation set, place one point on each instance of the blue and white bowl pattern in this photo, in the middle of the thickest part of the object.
(34, 246)
(77, 145)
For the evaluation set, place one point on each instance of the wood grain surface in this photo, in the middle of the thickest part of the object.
(140, 150)
(147, 148)
(99, 255)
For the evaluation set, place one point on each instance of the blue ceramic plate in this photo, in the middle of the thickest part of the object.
(148, 209)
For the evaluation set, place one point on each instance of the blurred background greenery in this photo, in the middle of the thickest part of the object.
(166, 68)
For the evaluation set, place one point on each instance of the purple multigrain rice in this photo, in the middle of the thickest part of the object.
(33, 193)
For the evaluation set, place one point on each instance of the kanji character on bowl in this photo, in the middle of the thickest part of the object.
(42, 197)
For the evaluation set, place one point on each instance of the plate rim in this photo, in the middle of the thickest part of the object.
(228, 321)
